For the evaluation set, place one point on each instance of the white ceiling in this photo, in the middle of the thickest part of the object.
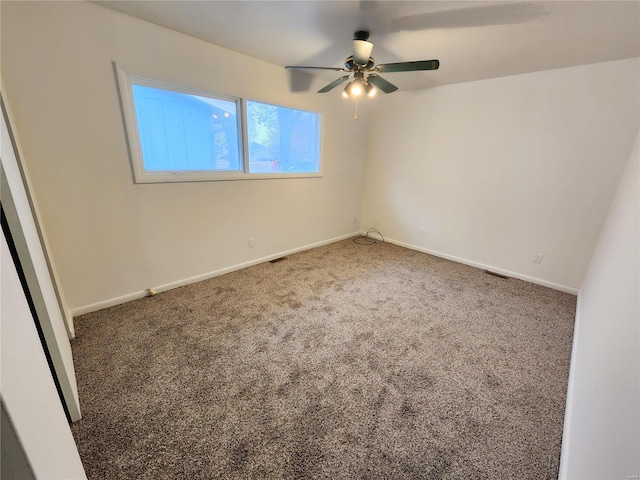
(472, 40)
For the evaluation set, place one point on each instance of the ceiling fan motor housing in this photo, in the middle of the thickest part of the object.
(362, 48)
(350, 64)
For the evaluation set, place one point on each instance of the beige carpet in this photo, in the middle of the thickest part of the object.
(342, 362)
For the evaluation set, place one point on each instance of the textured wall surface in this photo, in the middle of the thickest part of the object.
(602, 429)
(498, 170)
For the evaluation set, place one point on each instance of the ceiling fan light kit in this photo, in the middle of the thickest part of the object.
(370, 90)
(363, 72)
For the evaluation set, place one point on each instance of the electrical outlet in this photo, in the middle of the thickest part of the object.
(537, 258)
(252, 243)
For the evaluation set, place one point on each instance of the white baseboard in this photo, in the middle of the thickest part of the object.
(198, 278)
(526, 278)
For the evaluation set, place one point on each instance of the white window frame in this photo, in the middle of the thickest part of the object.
(127, 78)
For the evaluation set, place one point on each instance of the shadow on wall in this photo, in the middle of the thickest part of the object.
(299, 81)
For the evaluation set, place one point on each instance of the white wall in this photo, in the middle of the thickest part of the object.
(602, 424)
(498, 170)
(28, 392)
(111, 238)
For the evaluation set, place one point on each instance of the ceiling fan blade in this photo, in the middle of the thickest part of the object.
(362, 51)
(409, 66)
(333, 84)
(381, 84)
(335, 69)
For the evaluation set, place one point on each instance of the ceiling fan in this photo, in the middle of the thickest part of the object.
(363, 72)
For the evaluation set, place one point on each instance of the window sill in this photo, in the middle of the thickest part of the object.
(216, 177)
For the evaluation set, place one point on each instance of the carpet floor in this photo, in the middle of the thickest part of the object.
(342, 362)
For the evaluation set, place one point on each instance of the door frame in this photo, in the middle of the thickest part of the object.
(22, 218)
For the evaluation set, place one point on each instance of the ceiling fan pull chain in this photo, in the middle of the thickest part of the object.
(356, 115)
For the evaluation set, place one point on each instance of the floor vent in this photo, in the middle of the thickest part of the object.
(276, 260)
(499, 275)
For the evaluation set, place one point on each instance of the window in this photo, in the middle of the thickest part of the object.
(179, 134)
(282, 140)
(184, 132)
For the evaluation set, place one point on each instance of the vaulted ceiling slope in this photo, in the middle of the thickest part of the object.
(472, 40)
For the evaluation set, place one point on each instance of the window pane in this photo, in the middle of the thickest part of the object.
(184, 132)
(282, 140)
